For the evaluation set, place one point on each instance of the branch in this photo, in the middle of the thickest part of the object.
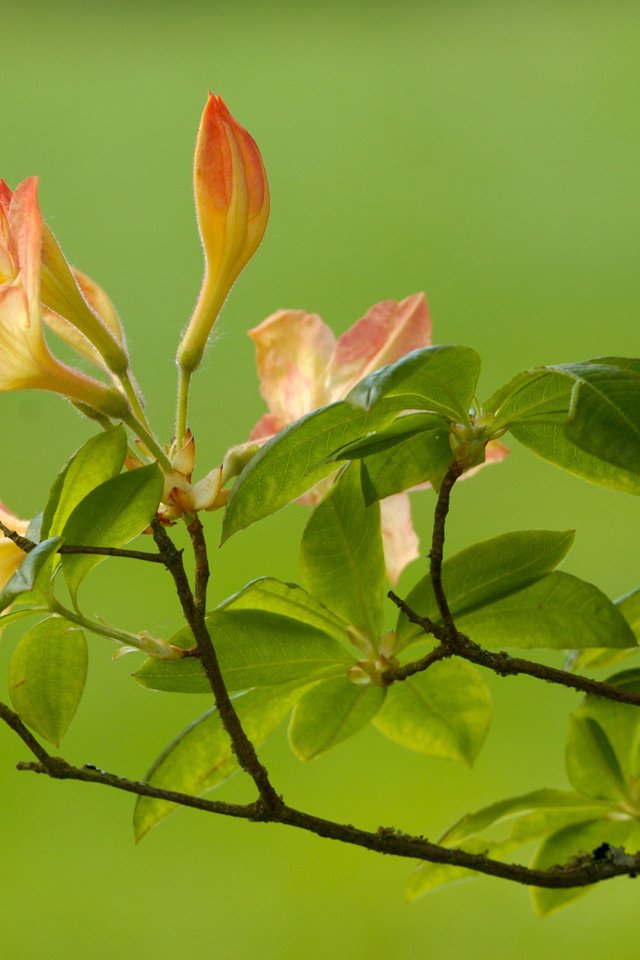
(600, 865)
(194, 610)
(27, 546)
(437, 547)
(503, 664)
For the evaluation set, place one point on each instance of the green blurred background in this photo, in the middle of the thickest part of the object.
(487, 152)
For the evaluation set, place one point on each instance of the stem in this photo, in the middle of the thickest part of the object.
(133, 396)
(184, 382)
(437, 546)
(579, 872)
(194, 611)
(149, 440)
(504, 665)
(151, 645)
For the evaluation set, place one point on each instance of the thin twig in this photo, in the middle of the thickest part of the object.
(113, 552)
(27, 546)
(501, 663)
(193, 609)
(437, 546)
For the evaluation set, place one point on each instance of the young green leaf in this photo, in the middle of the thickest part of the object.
(486, 572)
(515, 810)
(605, 410)
(109, 516)
(330, 712)
(584, 838)
(98, 460)
(25, 579)
(254, 648)
(602, 745)
(535, 407)
(422, 458)
(47, 674)
(580, 660)
(289, 600)
(530, 817)
(556, 612)
(443, 712)
(201, 757)
(441, 379)
(296, 459)
(341, 555)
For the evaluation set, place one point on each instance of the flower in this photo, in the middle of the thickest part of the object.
(302, 366)
(11, 556)
(74, 306)
(25, 359)
(232, 207)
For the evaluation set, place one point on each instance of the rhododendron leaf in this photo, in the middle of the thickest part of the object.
(47, 674)
(535, 407)
(581, 660)
(557, 611)
(109, 516)
(25, 579)
(533, 816)
(254, 648)
(201, 756)
(486, 572)
(296, 459)
(548, 807)
(424, 458)
(602, 745)
(414, 449)
(290, 600)
(341, 556)
(98, 460)
(578, 839)
(330, 712)
(605, 410)
(442, 712)
(441, 379)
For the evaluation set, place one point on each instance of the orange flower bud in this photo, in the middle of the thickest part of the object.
(232, 206)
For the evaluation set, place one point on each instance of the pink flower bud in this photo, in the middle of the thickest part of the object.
(232, 206)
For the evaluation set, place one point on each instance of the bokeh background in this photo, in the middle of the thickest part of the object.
(487, 152)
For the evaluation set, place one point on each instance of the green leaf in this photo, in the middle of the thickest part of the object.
(109, 516)
(201, 757)
(536, 407)
(486, 572)
(295, 460)
(254, 648)
(602, 745)
(98, 460)
(515, 810)
(329, 713)
(629, 607)
(25, 579)
(19, 613)
(47, 674)
(289, 600)
(605, 410)
(422, 458)
(556, 612)
(443, 712)
(570, 842)
(341, 556)
(529, 817)
(441, 379)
